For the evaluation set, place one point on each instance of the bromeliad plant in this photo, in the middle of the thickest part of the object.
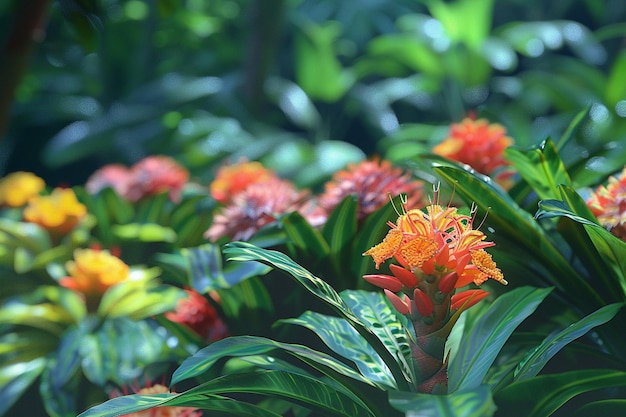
(386, 355)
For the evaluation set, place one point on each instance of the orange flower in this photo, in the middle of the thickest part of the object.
(155, 175)
(438, 251)
(371, 182)
(476, 143)
(18, 187)
(608, 204)
(160, 411)
(198, 314)
(58, 212)
(233, 179)
(258, 205)
(92, 272)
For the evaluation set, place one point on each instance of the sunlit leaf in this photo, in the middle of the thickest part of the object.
(467, 403)
(482, 343)
(538, 357)
(16, 378)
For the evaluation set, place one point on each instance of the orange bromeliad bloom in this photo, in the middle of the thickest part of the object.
(92, 272)
(438, 252)
(608, 204)
(233, 179)
(371, 182)
(19, 187)
(476, 143)
(58, 212)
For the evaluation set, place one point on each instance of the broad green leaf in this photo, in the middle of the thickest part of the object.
(144, 232)
(135, 403)
(16, 378)
(339, 231)
(483, 341)
(374, 310)
(22, 234)
(541, 167)
(611, 249)
(309, 242)
(407, 50)
(602, 408)
(120, 350)
(616, 86)
(318, 70)
(522, 399)
(154, 209)
(464, 21)
(467, 403)
(506, 217)
(307, 391)
(144, 301)
(534, 362)
(46, 316)
(245, 346)
(242, 251)
(58, 386)
(248, 305)
(344, 340)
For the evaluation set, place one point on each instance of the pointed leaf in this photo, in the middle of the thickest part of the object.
(521, 399)
(541, 167)
(483, 341)
(374, 310)
(304, 237)
(344, 340)
(602, 408)
(538, 357)
(467, 403)
(16, 378)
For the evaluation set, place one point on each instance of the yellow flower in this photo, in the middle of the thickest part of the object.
(18, 187)
(92, 272)
(58, 212)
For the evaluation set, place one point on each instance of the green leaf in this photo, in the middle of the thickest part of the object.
(467, 403)
(541, 167)
(522, 399)
(304, 237)
(572, 128)
(242, 251)
(16, 378)
(49, 317)
(339, 231)
(534, 362)
(616, 86)
(483, 341)
(374, 310)
(243, 346)
(318, 71)
(144, 232)
(344, 340)
(602, 408)
(611, 250)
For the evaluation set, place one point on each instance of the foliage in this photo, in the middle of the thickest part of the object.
(282, 322)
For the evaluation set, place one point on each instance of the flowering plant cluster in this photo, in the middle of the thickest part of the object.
(400, 304)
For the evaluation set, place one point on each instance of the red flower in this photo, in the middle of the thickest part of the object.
(371, 182)
(608, 204)
(198, 314)
(476, 143)
(258, 205)
(157, 411)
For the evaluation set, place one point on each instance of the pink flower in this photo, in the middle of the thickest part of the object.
(115, 176)
(158, 411)
(258, 205)
(155, 175)
(371, 182)
(608, 204)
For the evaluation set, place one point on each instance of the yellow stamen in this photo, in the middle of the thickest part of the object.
(385, 249)
(418, 251)
(487, 266)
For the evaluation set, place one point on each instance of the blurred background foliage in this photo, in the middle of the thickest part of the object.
(305, 85)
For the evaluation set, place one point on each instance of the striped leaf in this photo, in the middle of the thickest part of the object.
(344, 340)
(373, 308)
(246, 346)
(308, 240)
